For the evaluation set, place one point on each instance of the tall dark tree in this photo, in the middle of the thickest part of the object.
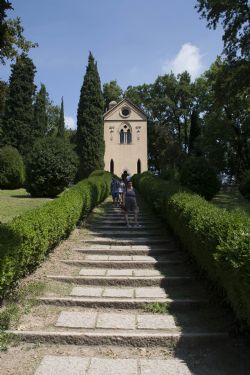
(195, 132)
(90, 140)
(40, 114)
(18, 119)
(111, 91)
(61, 123)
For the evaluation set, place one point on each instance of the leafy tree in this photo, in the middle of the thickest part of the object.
(195, 132)
(51, 167)
(197, 175)
(111, 91)
(234, 15)
(225, 119)
(53, 115)
(61, 123)
(18, 120)
(11, 35)
(90, 143)
(40, 113)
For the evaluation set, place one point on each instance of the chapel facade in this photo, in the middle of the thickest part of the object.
(125, 136)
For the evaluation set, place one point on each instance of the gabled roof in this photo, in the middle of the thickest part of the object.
(125, 100)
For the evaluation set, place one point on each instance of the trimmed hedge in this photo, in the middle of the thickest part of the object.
(219, 240)
(26, 240)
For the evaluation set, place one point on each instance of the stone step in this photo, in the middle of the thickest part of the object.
(127, 232)
(123, 263)
(112, 337)
(121, 222)
(122, 303)
(131, 242)
(128, 251)
(63, 365)
(122, 226)
(114, 216)
(132, 281)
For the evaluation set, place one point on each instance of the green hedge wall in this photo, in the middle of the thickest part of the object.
(218, 240)
(25, 241)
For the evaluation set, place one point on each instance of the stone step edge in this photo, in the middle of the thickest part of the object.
(122, 263)
(121, 303)
(126, 251)
(126, 281)
(141, 339)
(144, 241)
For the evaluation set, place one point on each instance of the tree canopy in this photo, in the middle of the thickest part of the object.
(12, 40)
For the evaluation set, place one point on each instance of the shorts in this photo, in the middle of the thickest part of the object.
(130, 205)
(115, 195)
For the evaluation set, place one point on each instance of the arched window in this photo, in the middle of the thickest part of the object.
(112, 166)
(125, 134)
(122, 137)
(138, 166)
(129, 137)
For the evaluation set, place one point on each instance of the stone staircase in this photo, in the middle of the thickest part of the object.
(128, 288)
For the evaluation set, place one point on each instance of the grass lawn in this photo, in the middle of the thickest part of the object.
(232, 200)
(16, 202)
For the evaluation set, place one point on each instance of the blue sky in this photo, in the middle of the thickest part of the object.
(133, 42)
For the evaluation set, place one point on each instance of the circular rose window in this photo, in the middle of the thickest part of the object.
(125, 111)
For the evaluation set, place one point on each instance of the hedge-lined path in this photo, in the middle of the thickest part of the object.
(124, 301)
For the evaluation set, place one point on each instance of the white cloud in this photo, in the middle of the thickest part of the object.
(70, 122)
(188, 58)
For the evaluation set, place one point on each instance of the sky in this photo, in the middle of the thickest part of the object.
(133, 41)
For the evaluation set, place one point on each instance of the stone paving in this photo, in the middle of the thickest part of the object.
(131, 321)
(56, 365)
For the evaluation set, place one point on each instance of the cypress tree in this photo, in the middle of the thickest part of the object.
(40, 113)
(90, 140)
(195, 131)
(61, 123)
(18, 119)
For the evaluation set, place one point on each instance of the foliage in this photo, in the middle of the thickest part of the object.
(198, 176)
(111, 91)
(157, 308)
(218, 240)
(40, 116)
(53, 115)
(90, 143)
(194, 134)
(61, 123)
(18, 120)
(234, 17)
(26, 240)
(245, 185)
(226, 129)
(51, 167)
(11, 35)
(12, 171)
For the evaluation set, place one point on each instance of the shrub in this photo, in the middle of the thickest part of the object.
(198, 176)
(12, 172)
(245, 185)
(25, 241)
(51, 166)
(218, 240)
